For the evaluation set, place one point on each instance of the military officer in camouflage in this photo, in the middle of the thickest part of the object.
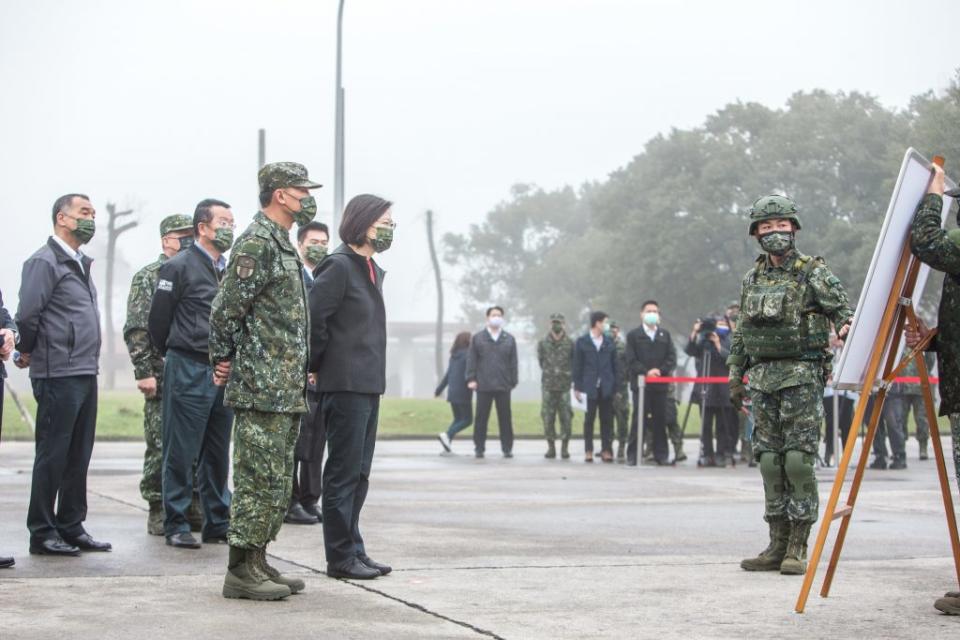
(176, 232)
(787, 303)
(621, 399)
(935, 246)
(258, 347)
(555, 355)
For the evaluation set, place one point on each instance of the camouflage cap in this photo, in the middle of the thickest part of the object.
(277, 175)
(614, 324)
(557, 317)
(176, 222)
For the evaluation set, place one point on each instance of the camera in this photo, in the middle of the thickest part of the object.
(708, 326)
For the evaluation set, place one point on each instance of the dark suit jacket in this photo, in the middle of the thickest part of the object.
(455, 379)
(595, 370)
(348, 325)
(644, 354)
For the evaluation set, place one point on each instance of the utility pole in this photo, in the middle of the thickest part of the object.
(113, 232)
(438, 347)
(261, 148)
(338, 143)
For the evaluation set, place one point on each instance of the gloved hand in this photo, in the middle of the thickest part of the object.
(738, 390)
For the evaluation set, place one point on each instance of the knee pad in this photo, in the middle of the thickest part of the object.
(771, 470)
(798, 466)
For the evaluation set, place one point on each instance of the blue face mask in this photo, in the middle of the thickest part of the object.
(722, 331)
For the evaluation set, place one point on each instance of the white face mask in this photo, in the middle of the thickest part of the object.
(495, 322)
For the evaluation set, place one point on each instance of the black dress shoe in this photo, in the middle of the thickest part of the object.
(85, 543)
(53, 547)
(183, 540)
(313, 510)
(384, 569)
(6, 563)
(296, 514)
(353, 569)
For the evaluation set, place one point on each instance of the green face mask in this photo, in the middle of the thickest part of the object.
(384, 239)
(651, 318)
(86, 227)
(308, 210)
(606, 328)
(557, 327)
(223, 239)
(776, 243)
(314, 253)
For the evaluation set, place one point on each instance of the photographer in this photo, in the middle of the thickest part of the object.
(709, 343)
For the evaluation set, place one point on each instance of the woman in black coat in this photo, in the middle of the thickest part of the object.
(459, 395)
(348, 348)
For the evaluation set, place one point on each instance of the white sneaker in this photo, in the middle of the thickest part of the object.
(445, 441)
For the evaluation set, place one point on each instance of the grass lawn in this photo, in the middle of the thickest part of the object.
(120, 417)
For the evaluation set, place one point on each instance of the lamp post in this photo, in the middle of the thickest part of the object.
(338, 144)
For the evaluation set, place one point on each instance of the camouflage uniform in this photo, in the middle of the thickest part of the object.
(147, 360)
(799, 297)
(621, 399)
(259, 322)
(932, 245)
(555, 356)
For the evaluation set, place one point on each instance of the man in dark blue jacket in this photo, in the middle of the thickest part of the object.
(59, 327)
(596, 375)
(196, 424)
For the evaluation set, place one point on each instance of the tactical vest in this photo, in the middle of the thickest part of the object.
(774, 322)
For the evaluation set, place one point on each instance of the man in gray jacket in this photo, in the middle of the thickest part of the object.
(492, 373)
(59, 329)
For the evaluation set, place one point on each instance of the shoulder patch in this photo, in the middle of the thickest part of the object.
(164, 285)
(246, 266)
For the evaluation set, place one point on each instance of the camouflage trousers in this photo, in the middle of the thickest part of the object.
(151, 485)
(787, 429)
(915, 404)
(621, 413)
(262, 475)
(554, 405)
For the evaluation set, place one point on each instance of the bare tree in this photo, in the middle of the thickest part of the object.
(113, 232)
(436, 272)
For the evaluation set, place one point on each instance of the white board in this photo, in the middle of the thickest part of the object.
(910, 188)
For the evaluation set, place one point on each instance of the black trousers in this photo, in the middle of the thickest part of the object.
(605, 406)
(723, 422)
(66, 425)
(308, 458)
(485, 400)
(351, 420)
(845, 406)
(196, 433)
(654, 421)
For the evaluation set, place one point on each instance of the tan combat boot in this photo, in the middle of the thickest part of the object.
(244, 580)
(155, 518)
(296, 585)
(795, 561)
(771, 557)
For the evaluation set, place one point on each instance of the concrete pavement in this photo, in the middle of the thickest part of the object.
(522, 548)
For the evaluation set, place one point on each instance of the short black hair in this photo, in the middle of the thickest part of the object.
(204, 211)
(266, 197)
(311, 226)
(495, 308)
(651, 301)
(359, 215)
(65, 201)
(596, 317)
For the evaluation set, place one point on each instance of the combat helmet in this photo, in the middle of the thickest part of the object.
(773, 208)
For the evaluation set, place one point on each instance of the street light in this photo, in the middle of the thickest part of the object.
(338, 144)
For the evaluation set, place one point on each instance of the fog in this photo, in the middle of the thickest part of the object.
(156, 105)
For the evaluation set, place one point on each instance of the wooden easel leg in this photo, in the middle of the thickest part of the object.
(941, 464)
(845, 514)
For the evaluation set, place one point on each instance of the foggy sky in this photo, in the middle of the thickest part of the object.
(156, 105)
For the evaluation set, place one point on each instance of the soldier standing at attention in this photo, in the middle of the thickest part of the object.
(258, 347)
(555, 355)
(934, 246)
(176, 233)
(788, 301)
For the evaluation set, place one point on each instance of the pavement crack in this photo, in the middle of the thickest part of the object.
(407, 603)
(117, 500)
